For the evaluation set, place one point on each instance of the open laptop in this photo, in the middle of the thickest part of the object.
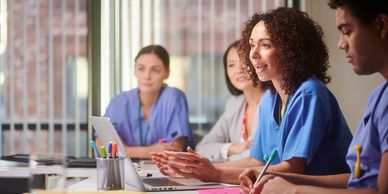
(106, 132)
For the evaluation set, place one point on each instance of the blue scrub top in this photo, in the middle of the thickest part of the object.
(372, 136)
(312, 128)
(168, 117)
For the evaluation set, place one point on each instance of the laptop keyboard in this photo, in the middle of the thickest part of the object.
(158, 182)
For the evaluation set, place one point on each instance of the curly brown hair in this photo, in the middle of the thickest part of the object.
(299, 44)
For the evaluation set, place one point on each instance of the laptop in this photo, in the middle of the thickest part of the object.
(106, 132)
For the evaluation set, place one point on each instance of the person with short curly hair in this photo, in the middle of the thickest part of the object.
(298, 40)
(363, 26)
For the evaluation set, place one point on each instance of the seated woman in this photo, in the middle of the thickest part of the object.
(299, 117)
(363, 27)
(231, 137)
(154, 116)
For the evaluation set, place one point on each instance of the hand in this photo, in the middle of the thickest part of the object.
(248, 179)
(192, 165)
(278, 185)
(236, 148)
(160, 160)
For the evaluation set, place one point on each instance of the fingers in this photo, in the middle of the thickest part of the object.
(187, 172)
(159, 158)
(259, 186)
(190, 150)
(154, 156)
(247, 179)
(186, 156)
(180, 164)
(245, 184)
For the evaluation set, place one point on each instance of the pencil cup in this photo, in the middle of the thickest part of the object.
(110, 174)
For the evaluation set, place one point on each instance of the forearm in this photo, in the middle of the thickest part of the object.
(229, 172)
(229, 175)
(138, 151)
(303, 189)
(330, 181)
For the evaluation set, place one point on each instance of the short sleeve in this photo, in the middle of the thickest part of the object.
(255, 151)
(179, 123)
(114, 111)
(307, 119)
(110, 111)
(382, 121)
(262, 139)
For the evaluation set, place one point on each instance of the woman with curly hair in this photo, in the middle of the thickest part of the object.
(284, 49)
(363, 26)
(299, 117)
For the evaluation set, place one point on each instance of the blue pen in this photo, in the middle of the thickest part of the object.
(94, 146)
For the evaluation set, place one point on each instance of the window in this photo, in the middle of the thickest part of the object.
(196, 34)
(43, 76)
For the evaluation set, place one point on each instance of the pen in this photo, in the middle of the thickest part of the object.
(103, 151)
(357, 166)
(94, 146)
(110, 149)
(114, 149)
(273, 154)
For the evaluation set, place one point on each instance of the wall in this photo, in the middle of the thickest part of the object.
(351, 90)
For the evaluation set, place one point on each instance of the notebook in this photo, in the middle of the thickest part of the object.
(106, 132)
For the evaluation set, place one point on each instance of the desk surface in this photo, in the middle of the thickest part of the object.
(86, 185)
(90, 184)
(21, 172)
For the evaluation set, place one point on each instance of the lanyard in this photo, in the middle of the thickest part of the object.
(143, 139)
(244, 131)
(281, 114)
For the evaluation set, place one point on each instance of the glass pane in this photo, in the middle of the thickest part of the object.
(43, 69)
(200, 32)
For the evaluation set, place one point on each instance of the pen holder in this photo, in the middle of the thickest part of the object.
(110, 174)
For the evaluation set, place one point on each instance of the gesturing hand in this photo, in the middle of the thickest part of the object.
(160, 160)
(191, 165)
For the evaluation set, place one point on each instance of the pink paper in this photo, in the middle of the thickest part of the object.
(235, 190)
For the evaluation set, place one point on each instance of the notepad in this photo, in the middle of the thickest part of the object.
(235, 190)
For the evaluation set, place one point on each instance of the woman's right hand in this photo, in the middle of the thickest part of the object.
(248, 178)
(191, 165)
(236, 148)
